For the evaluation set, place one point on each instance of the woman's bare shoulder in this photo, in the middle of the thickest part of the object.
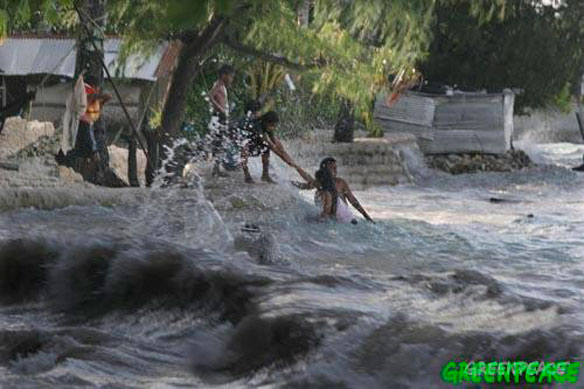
(341, 184)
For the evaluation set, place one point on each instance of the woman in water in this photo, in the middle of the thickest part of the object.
(333, 193)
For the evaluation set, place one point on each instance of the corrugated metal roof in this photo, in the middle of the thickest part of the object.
(20, 57)
(137, 67)
(27, 56)
(169, 59)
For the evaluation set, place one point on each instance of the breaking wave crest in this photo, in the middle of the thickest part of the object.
(137, 308)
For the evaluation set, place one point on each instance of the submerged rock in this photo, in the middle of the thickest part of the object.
(263, 247)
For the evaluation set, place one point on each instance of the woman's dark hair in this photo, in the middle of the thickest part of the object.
(226, 69)
(327, 181)
(325, 162)
(269, 117)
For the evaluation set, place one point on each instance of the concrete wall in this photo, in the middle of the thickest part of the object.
(365, 163)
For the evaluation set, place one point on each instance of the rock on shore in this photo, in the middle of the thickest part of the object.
(18, 133)
(477, 162)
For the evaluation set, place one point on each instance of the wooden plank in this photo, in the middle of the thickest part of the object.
(445, 124)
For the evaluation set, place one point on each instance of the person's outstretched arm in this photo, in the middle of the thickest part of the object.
(307, 177)
(276, 146)
(310, 183)
(354, 202)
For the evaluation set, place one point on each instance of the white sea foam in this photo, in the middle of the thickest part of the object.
(151, 290)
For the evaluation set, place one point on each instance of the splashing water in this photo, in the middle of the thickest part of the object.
(168, 291)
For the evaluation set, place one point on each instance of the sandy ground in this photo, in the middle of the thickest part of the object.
(30, 177)
(40, 183)
(35, 180)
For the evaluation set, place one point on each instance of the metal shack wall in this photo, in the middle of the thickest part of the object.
(459, 123)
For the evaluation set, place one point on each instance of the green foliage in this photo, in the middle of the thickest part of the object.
(563, 100)
(263, 78)
(347, 51)
(23, 12)
(535, 48)
(301, 111)
(198, 111)
(3, 24)
(571, 24)
(30, 15)
(146, 21)
(155, 117)
(357, 44)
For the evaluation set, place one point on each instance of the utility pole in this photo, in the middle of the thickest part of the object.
(89, 63)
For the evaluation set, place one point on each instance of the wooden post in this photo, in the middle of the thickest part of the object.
(152, 163)
(580, 125)
(90, 56)
(132, 161)
(580, 109)
(344, 127)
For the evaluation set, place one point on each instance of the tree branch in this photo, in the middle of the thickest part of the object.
(278, 59)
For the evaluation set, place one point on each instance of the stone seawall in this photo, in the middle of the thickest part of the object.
(365, 163)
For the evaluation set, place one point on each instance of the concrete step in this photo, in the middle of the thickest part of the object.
(361, 159)
(374, 179)
(370, 169)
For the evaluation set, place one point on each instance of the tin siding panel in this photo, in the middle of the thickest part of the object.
(408, 109)
(465, 141)
(55, 56)
(479, 116)
(451, 124)
(26, 56)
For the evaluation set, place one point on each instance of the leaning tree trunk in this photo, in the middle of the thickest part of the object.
(345, 123)
(186, 70)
